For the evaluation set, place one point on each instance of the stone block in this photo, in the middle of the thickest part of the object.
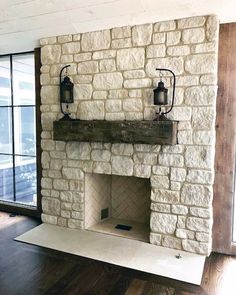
(196, 195)
(171, 160)
(72, 173)
(88, 67)
(142, 34)
(196, 247)
(51, 206)
(104, 54)
(200, 212)
(121, 32)
(143, 171)
(203, 118)
(212, 28)
(174, 63)
(132, 104)
(201, 64)
(160, 170)
(102, 168)
(50, 54)
(171, 242)
(137, 83)
(121, 43)
(64, 39)
(179, 209)
(199, 157)
(46, 218)
(106, 81)
(200, 95)
(130, 59)
(82, 57)
(198, 224)
(155, 239)
(165, 26)
(107, 65)
(178, 174)
(191, 22)
(202, 137)
(156, 51)
(178, 50)
(165, 196)
(184, 234)
(200, 176)
(96, 40)
(113, 105)
(163, 223)
(101, 155)
(82, 91)
(71, 48)
(78, 150)
(157, 207)
(160, 182)
(134, 74)
(159, 38)
(122, 149)
(173, 38)
(191, 36)
(91, 110)
(145, 158)
(122, 165)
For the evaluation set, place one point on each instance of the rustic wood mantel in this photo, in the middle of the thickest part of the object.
(147, 132)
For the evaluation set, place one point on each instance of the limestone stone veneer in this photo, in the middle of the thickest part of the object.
(114, 76)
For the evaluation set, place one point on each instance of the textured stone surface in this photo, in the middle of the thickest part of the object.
(122, 165)
(93, 110)
(165, 196)
(196, 35)
(199, 157)
(82, 91)
(96, 40)
(108, 81)
(130, 59)
(163, 223)
(142, 35)
(198, 195)
(201, 64)
(114, 73)
(50, 54)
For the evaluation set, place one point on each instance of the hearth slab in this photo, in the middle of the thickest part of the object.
(119, 251)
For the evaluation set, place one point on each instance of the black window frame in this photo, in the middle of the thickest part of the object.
(18, 208)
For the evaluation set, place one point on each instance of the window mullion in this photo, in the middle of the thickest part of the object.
(13, 130)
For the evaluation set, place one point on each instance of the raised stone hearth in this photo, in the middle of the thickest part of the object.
(114, 74)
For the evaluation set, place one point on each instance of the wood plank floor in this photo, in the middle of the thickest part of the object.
(27, 269)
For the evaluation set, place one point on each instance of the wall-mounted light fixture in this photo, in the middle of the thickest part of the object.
(161, 96)
(66, 94)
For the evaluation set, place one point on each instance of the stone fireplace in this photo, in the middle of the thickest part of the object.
(114, 76)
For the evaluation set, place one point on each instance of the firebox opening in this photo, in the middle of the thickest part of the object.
(118, 205)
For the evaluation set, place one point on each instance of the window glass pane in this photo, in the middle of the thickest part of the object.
(24, 130)
(5, 81)
(5, 130)
(25, 179)
(23, 79)
(6, 178)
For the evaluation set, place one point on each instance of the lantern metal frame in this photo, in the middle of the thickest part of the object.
(161, 115)
(65, 113)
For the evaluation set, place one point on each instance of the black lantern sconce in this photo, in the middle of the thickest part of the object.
(161, 96)
(66, 94)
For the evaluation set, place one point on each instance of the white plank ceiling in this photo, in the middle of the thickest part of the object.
(24, 22)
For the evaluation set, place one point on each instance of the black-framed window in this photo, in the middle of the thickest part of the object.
(18, 168)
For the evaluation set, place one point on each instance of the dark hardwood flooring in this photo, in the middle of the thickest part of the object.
(27, 269)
